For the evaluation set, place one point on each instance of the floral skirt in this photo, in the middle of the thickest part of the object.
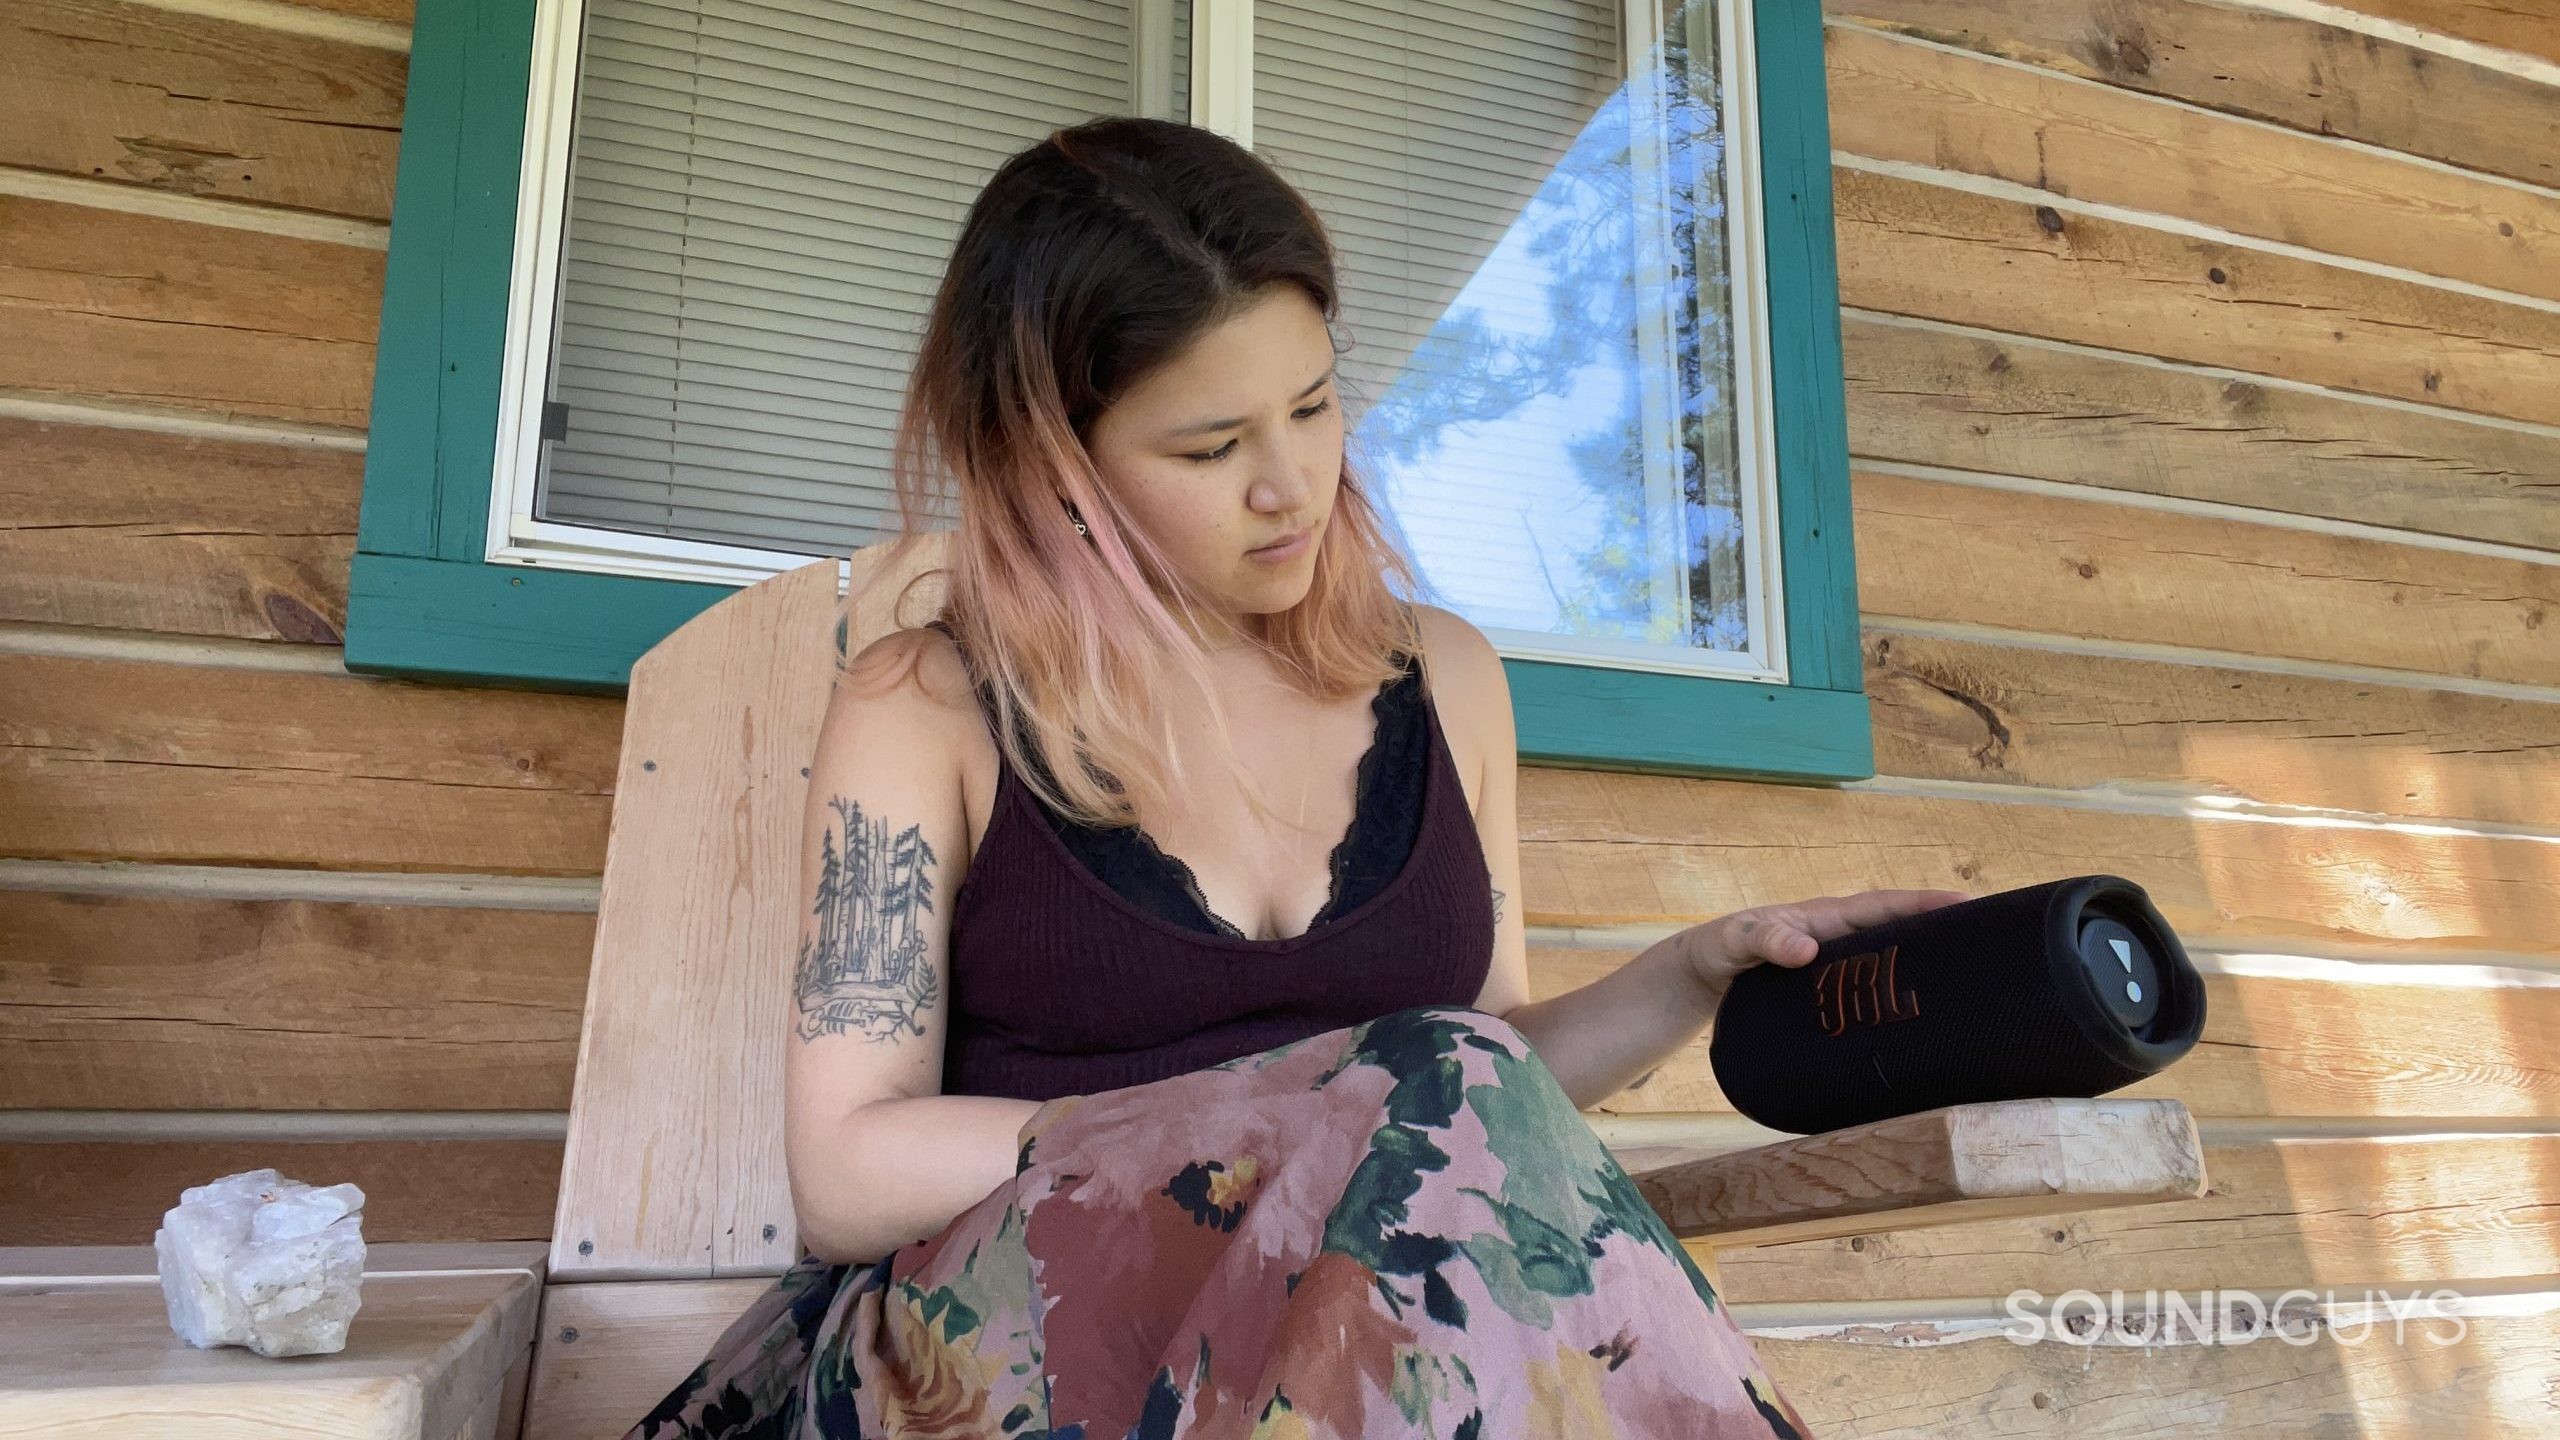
(1401, 1228)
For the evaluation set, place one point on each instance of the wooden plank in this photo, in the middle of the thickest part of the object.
(675, 1163)
(2294, 72)
(2494, 1375)
(2011, 406)
(1935, 550)
(113, 1192)
(35, 1267)
(1599, 848)
(1962, 1163)
(609, 1350)
(1894, 100)
(2325, 1212)
(425, 1355)
(1913, 248)
(1963, 710)
(2527, 27)
(121, 1003)
(2349, 1040)
(108, 304)
(133, 1004)
(117, 759)
(398, 12)
(144, 531)
(199, 106)
(1903, 1380)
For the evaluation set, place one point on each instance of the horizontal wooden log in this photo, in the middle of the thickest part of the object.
(114, 1192)
(2327, 1212)
(2527, 27)
(1599, 847)
(2344, 1040)
(112, 759)
(108, 304)
(1936, 550)
(2490, 1375)
(2295, 72)
(1895, 100)
(143, 531)
(2011, 406)
(1964, 710)
(398, 12)
(121, 1003)
(199, 106)
(1962, 1163)
(1913, 248)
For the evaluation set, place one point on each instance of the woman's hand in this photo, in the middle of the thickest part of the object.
(1789, 934)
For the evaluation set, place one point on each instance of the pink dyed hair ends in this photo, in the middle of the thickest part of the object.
(1087, 260)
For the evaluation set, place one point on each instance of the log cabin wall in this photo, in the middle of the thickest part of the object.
(2204, 378)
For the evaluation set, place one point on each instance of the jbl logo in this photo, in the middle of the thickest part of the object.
(1860, 990)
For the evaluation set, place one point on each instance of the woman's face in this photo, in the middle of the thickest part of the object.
(1234, 444)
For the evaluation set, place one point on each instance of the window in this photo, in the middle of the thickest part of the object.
(1593, 373)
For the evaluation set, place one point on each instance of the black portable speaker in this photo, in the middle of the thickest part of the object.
(2071, 988)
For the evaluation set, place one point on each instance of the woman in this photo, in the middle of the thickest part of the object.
(1213, 1102)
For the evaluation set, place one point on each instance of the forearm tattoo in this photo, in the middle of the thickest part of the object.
(1497, 907)
(863, 964)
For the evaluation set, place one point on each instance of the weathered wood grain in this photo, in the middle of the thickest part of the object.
(2308, 1212)
(426, 1358)
(113, 759)
(2298, 73)
(1895, 100)
(1600, 847)
(112, 305)
(124, 1003)
(137, 1004)
(142, 531)
(2490, 1375)
(199, 106)
(105, 1192)
(2013, 406)
(398, 12)
(1937, 550)
(1960, 710)
(1912, 248)
(2393, 1043)
(2528, 27)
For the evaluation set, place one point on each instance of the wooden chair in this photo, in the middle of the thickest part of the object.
(675, 1210)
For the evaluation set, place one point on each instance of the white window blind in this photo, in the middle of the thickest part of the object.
(762, 197)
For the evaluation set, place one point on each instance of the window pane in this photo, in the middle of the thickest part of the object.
(1537, 295)
(762, 196)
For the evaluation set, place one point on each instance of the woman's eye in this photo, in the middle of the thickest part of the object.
(1208, 456)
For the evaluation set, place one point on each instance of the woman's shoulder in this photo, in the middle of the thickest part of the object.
(916, 683)
(1468, 690)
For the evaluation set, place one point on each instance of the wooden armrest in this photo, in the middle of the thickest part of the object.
(437, 1351)
(1963, 1162)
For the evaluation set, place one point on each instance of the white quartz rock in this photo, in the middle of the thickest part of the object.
(255, 1259)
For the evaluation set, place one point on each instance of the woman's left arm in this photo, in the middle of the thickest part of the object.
(1599, 1038)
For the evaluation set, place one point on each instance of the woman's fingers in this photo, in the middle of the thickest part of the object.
(1834, 916)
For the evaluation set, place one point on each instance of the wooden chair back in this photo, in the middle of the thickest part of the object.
(674, 1166)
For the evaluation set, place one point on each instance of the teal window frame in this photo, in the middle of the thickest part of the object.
(424, 603)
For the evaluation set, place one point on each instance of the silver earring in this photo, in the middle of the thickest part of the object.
(1076, 520)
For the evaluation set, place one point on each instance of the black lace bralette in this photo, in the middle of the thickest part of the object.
(1390, 784)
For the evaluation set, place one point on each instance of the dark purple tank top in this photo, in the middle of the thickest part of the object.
(1064, 983)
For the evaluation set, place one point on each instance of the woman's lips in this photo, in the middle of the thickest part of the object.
(1286, 549)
